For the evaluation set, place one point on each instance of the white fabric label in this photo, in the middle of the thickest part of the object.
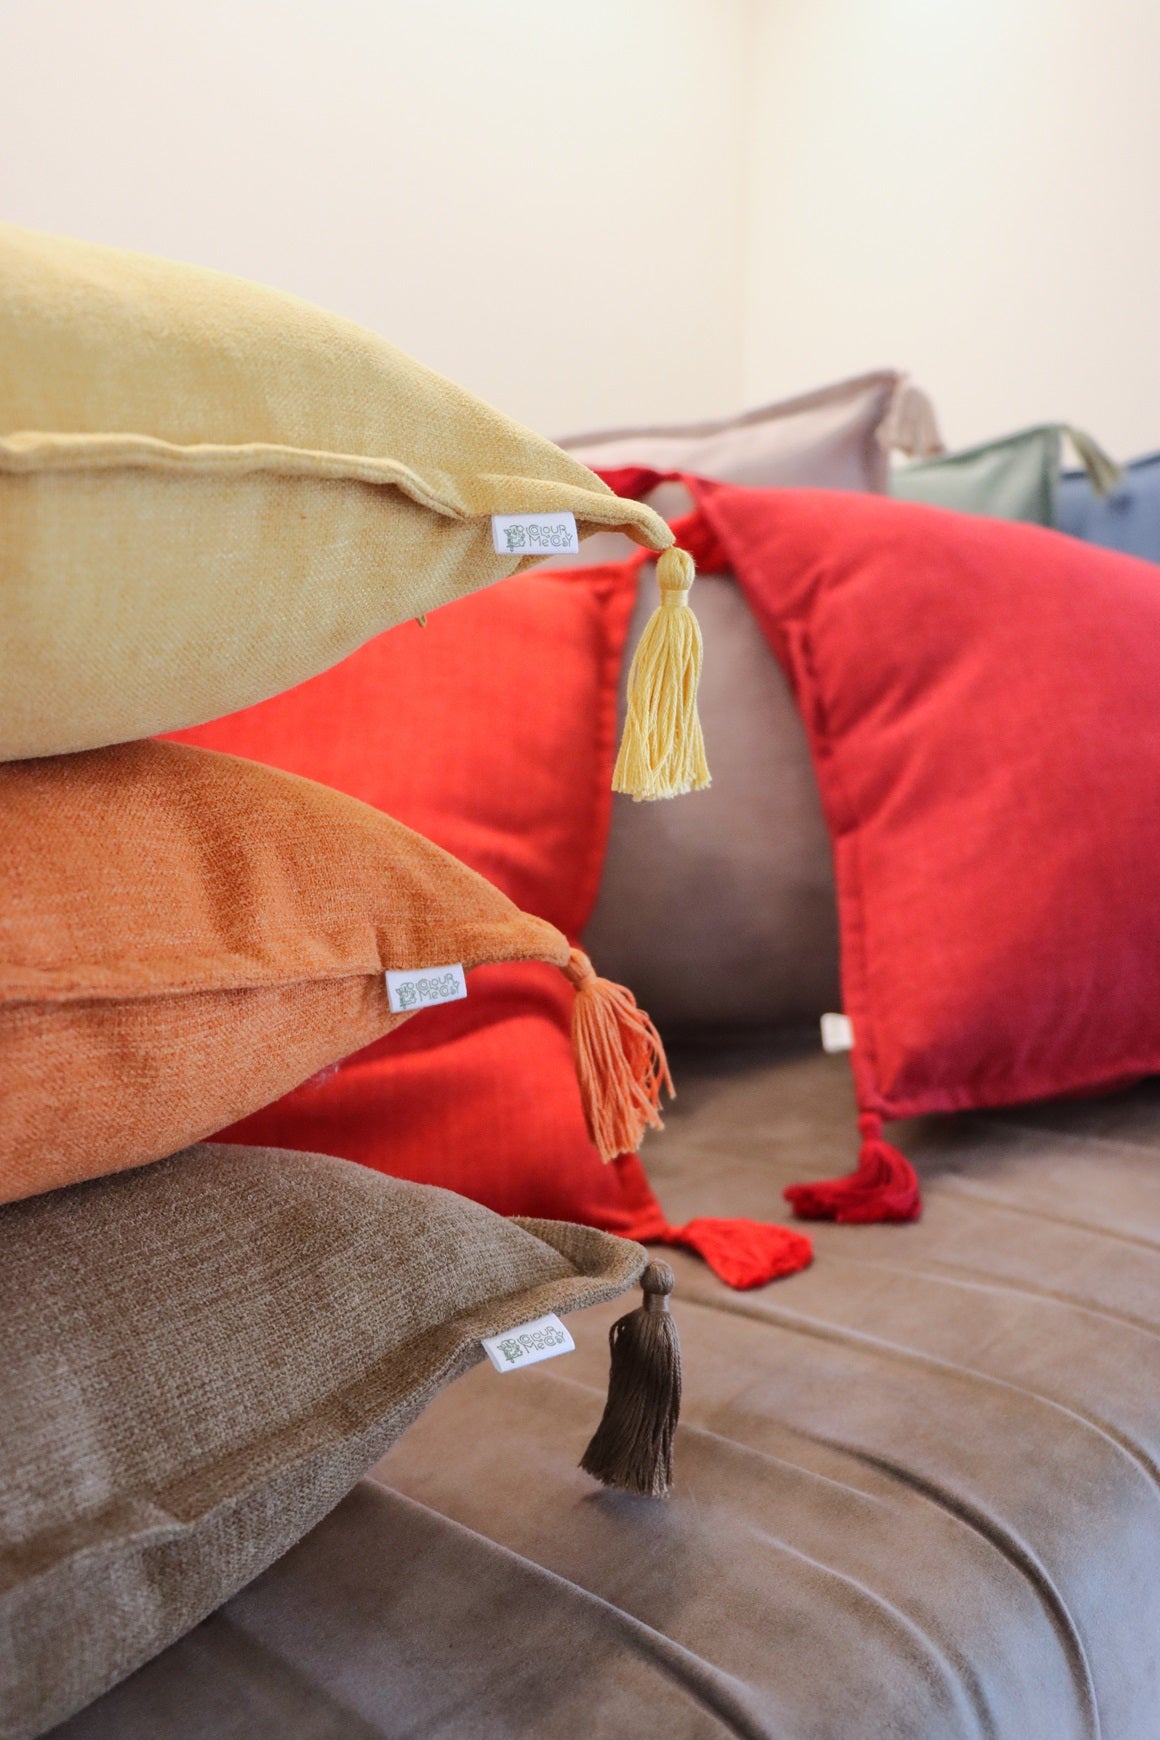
(423, 987)
(535, 534)
(528, 1344)
(837, 1033)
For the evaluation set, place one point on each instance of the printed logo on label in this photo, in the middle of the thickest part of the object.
(423, 987)
(837, 1033)
(544, 1338)
(535, 534)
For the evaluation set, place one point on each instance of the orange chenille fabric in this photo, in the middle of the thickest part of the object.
(184, 936)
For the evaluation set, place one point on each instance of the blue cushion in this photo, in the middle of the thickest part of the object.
(1127, 519)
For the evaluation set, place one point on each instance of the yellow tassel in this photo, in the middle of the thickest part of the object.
(662, 752)
(620, 1061)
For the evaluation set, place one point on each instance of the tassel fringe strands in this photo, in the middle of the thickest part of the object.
(884, 1187)
(620, 1061)
(662, 751)
(633, 1445)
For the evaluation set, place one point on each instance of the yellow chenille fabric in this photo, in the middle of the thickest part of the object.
(209, 491)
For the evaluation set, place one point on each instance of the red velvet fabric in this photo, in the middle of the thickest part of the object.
(491, 731)
(983, 706)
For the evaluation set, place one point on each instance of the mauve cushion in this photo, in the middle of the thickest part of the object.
(836, 437)
(721, 909)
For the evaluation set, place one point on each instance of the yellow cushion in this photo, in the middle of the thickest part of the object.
(209, 491)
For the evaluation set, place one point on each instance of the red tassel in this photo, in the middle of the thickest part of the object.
(885, 1186)
(744, 1253)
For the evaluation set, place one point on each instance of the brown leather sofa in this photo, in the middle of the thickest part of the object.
(917, 1496)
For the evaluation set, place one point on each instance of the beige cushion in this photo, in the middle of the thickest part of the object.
(722, 909)
(200, 1358)
(839, 437)
(210, 491)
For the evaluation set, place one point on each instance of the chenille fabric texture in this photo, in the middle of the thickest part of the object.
(480, 1096)
(200, 1358)
(210, 491)
(184, 936)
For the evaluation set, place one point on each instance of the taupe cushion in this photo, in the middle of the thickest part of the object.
(917, 1486)
(200, 1358)
(838, 437)
(722, 909)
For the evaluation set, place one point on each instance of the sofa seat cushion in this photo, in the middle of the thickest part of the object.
(916, 1487)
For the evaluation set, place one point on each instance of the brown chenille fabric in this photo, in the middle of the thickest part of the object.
(201, 1357)
(185, 936)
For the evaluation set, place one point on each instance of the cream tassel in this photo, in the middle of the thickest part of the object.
(662, 751)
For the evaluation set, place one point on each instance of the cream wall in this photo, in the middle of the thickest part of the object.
(970, 188)
(593, 211)
(540, 198)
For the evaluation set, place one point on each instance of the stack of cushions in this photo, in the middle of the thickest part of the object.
(752, 856)
(480, 1095)
(209, 492)
(200, 1358)
(1017, 477)
(980, 701)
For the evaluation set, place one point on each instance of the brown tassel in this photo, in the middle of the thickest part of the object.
(620, 1061)
(662, 751)
(633, 1445)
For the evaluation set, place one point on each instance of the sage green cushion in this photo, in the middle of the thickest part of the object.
(1011, 479)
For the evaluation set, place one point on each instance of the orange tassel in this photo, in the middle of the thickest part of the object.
(620, 1061)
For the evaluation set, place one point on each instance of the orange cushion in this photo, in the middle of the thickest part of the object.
(184, 936)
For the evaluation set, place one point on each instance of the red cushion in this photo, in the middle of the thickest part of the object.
(983, 706)
(506, 761)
